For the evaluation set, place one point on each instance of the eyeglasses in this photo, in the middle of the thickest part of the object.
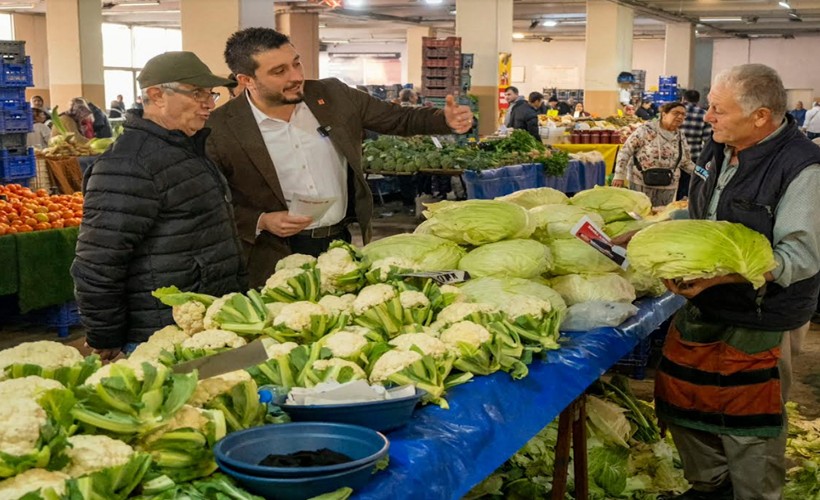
(200, 95)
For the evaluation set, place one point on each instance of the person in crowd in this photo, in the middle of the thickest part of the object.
(629, 110)
(798, 113)
(522, 115)
(120, 104)
(579, 111)
(102, 127)
(237, 90)
(156, 213)
(79, 120)
(513, 101)
(562, 107)
(812, 124)
(38, 102)
(760, 171)
(137, 103)
(645, 111)
(293, 136)
(114, 110)
(696, 131)
(408, 98)
(537, 101)
(40, 134)
(653, 156)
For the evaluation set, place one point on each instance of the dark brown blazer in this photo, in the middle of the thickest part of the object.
(237, 147)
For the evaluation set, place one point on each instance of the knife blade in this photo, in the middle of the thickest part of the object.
(225, 362)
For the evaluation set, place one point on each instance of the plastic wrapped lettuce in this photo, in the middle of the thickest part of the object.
(512, 258)
(620, 227)
(613, 203)
(691, 249)
(645, 285)
(536, 197)
(606, 287)
(426, 251)
(573, 256)
(554, 222)
(477, 222)
(501, 292)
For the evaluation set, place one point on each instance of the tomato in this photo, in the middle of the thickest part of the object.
(4, 228)
(72, 222)
(26, 213)
(58, 224)
(25, 228)
(41, 217)
(42, 226)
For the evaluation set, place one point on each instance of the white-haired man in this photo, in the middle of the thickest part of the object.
(726, 363)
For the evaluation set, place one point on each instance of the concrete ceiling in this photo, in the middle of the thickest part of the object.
(362, 21)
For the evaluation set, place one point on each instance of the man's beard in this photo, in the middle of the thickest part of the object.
(278, 98)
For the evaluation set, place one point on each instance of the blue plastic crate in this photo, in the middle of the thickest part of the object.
(15, 142)
(62, 317)
(12, 97)
(13, 51)
(16, 120)
(14, 168)
(16, 74)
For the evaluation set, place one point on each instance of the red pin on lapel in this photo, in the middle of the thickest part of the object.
(321, 102)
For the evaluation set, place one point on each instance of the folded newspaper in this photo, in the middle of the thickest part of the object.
(334, 393)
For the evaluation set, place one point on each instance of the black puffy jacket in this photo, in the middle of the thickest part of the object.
(157, 213)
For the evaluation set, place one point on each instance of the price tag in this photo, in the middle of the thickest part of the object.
(552, 112)
(586, 231)
(436, 142)
(441, 277)
(620, 113)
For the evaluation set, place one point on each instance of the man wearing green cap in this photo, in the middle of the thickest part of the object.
(157, 212)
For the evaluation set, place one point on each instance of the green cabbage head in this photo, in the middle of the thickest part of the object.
(500, 292)
(535, 197)
(428, 252)
(613, 203)
(554, 222)
(513, 258)
(607, 287)
(478, 222)
(690, 249)
(573, 256)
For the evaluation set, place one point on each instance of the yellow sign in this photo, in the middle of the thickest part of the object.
(504, 70)
(620, 112)
(552, 112)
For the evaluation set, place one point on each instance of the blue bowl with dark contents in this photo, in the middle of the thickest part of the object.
(382, 416)
(301, 488)
(244, 450)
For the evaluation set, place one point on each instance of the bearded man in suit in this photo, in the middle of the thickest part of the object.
(288, 137)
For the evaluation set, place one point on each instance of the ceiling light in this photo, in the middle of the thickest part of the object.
(22, 6)
(140, 3)
(354, 3)
(550, 23)
(519, 36)
(453, 12)
(433, 2)
(784, 4)
(721, 19)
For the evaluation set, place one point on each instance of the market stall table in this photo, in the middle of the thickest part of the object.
(442, 454)
(609, 152)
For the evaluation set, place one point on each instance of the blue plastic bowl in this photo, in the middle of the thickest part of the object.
(279, 488)
(378, 415)
(242, 451)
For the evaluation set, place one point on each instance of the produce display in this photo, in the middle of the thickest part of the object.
(407, 155)
(23, 210)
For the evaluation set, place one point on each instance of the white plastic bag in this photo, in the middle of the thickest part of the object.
(596, 314)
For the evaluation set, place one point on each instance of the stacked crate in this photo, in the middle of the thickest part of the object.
(17, 163)
(667, 90)
(639, 86)
(441, 67)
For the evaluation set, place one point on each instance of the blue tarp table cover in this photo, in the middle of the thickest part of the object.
(578, 177)
(442, 454)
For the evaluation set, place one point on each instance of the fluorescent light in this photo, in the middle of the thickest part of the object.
(453, 12)
(23, 6)
(550, 23)
(354, 3)
(518, 36)
(146, 3)
(785, 5)
(721, 19)
(433, 2)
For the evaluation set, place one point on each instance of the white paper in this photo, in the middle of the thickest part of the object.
(309, 206)
(334, 393)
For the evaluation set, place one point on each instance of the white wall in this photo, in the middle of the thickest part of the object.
(796, 60)
(646, 55)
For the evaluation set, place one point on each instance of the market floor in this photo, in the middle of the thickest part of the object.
(392, 218)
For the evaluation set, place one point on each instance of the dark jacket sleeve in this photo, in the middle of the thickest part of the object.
(525, 117)
(121, 204)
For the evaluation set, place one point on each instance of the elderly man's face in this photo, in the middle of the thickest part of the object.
(730, 124)
(185, 108)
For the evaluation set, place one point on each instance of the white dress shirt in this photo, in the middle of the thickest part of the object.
(306, 162)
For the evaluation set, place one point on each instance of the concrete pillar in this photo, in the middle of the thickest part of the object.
(679, 53)
(485, 28)
(75, 58)
(303, 30)
(32, 29)
(207, 24)
(411, 64)
(608, 52)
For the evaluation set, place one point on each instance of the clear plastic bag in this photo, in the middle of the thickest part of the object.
(596, 314)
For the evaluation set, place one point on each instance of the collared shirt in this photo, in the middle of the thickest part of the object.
(812, 123)
(306, 162)
(696, 130)
(796, 221)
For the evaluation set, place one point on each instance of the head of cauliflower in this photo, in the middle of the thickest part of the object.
(371, 296)
(280, 279)
(338, 305)
(459, 310)
(213, 339)
(392, 362)
(295, 260)
(297, 315)
(46, 353)
(208, 322)
(466, 332)
(428, 345)
(344, 343)
(411, 299)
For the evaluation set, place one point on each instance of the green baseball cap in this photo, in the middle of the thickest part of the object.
(181, 67)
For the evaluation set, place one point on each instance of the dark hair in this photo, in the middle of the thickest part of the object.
(534, 96)
(243, 45)
(669, 106)
(406, 95)
(553, 99)
(691, 96)
(37, 97)
(512, 89)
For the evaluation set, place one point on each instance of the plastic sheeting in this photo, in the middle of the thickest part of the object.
(441, 454)
(578, 177)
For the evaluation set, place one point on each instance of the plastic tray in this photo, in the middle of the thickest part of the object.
(14, 167)
(12, 98)
(13, 121)
(16, 74)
